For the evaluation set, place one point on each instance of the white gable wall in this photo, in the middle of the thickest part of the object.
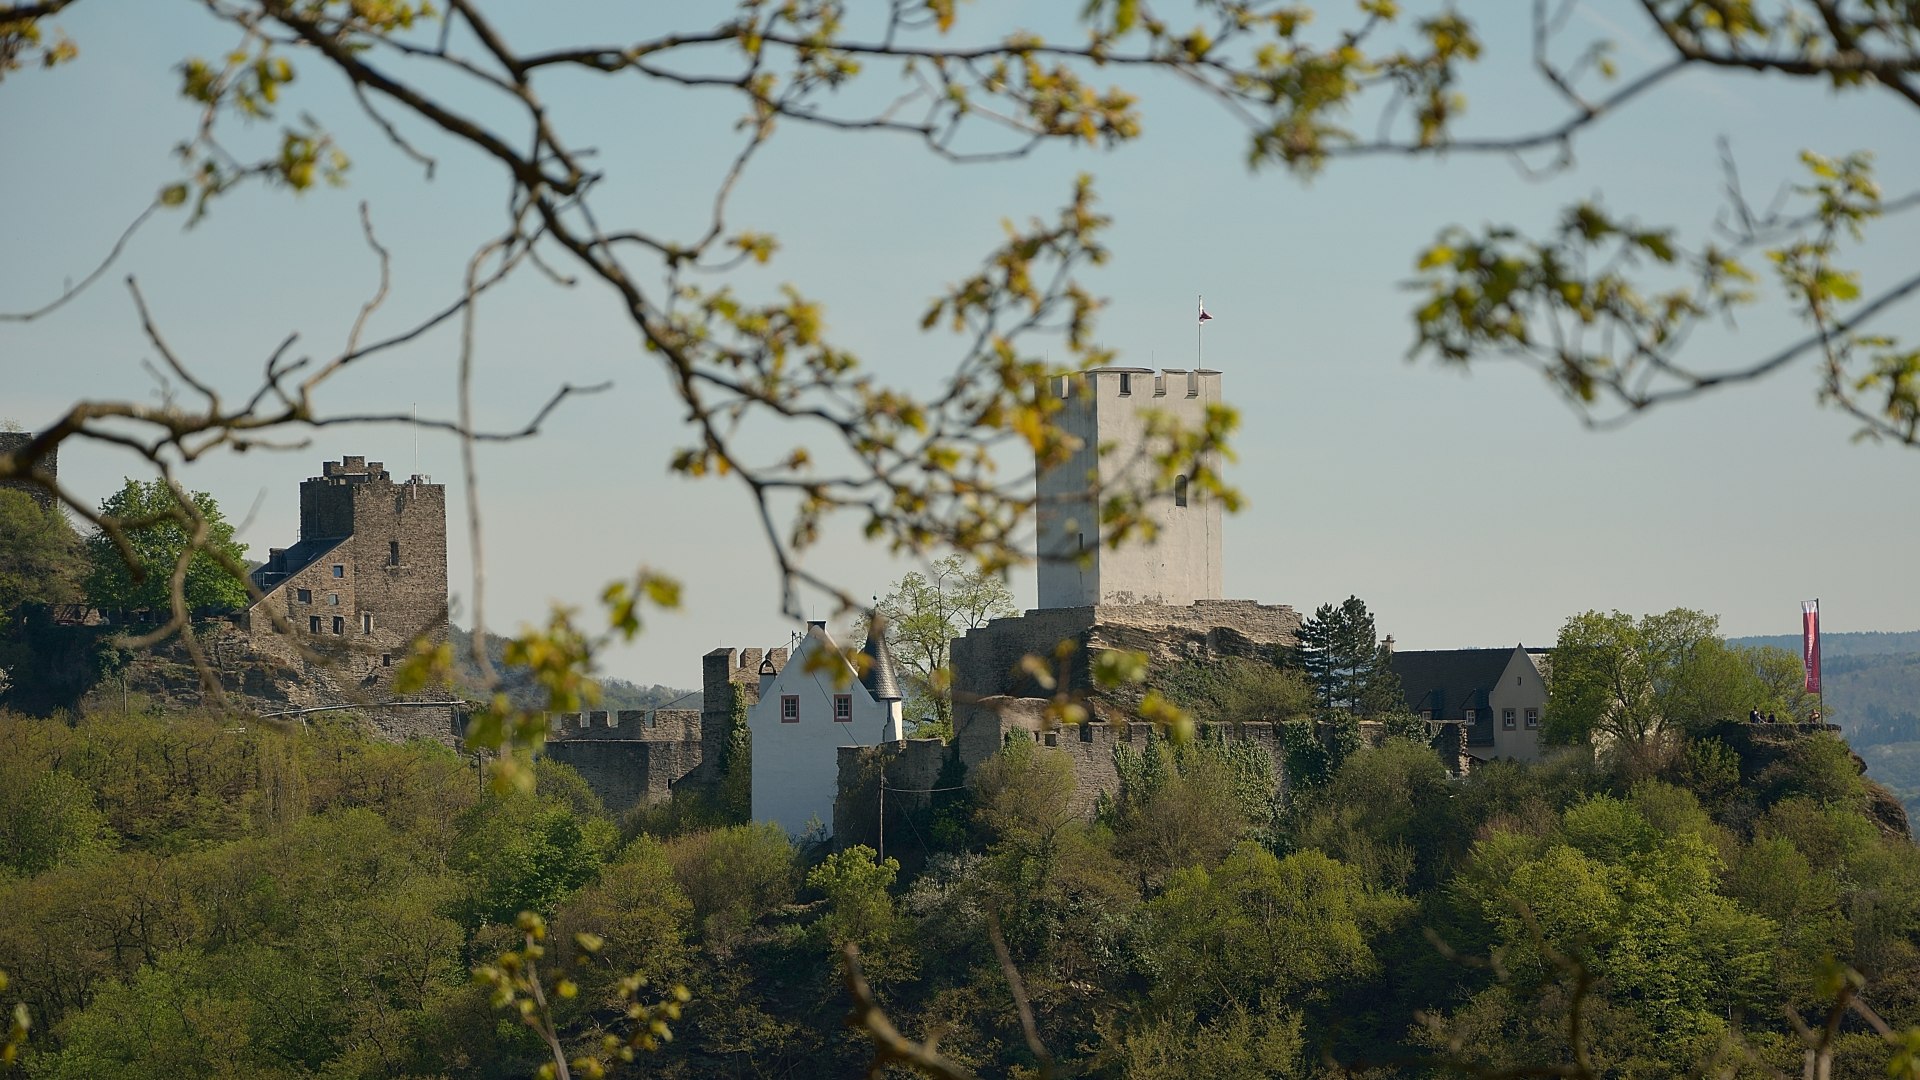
(796, 764)
(1520, 688)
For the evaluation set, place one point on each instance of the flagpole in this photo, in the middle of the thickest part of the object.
(1200, 302)
(1822, 695)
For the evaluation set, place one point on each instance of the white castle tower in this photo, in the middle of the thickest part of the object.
(1106, 408)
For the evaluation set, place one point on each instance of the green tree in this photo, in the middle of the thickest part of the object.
(1262, 929)
(523, 852)
(1642, 912)
(923, 613)
(41, 559)
(1632, 687)
(640, 914)
(168, 532)
(1244, 1043)
(47, 818)
(734, 876)
(860, 912)
(1342, 656)
(1188, 804)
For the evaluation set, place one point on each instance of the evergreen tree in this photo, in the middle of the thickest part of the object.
(1340, 654)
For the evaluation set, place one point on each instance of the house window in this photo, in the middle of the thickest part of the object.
(393, 553)
(1426, 714)
(1473, 715)
(1506, 719)
(1126, 384)
(386, 659)
(313, 624)
(339, 624)
(1179, 491)
(339, 570)
(1533, 718)
(790, 708)
(843, 708)
(305, 596)
(366, 622)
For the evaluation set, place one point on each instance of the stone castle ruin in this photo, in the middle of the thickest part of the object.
(367, 578)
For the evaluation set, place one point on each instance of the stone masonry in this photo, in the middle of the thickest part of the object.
(366, 580)
(635, 758)
(986, 662)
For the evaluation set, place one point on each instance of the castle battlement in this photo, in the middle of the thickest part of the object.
(366, 580)
(648, 725)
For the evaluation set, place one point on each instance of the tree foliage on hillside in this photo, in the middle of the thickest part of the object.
(1631, 686)
(168, 544)
(182, 896)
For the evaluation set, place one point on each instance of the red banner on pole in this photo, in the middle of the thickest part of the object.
(1810, 643)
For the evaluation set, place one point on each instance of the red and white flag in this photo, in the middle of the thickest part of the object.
(1204, 317)
(1810, 643)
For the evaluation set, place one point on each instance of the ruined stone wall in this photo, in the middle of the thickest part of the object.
(629, 758)
(48, 465)
(911, 767)
(986, 661)
(634, 757)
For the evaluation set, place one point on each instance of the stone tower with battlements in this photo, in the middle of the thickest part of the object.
(1111, 412)
(368, 576)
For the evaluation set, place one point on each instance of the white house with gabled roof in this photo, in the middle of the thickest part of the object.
(807, 711)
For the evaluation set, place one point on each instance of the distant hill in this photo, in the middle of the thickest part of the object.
(520, 688)
(1872, 683)
(1837, 646)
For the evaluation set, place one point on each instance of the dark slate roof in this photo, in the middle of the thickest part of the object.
(269, 575)
(1450, 681)
(879, 679)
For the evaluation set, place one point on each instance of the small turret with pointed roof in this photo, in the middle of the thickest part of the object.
(879, 679)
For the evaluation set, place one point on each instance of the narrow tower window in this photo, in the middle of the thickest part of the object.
(1179, 491)
(393, 553)
(1126, 384)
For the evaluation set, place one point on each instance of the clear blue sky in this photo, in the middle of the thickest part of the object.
(1466, 509)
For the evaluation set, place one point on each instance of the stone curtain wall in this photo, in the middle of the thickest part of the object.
(628, 725)
(911, 766)
(629, 758)
(636, 757)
